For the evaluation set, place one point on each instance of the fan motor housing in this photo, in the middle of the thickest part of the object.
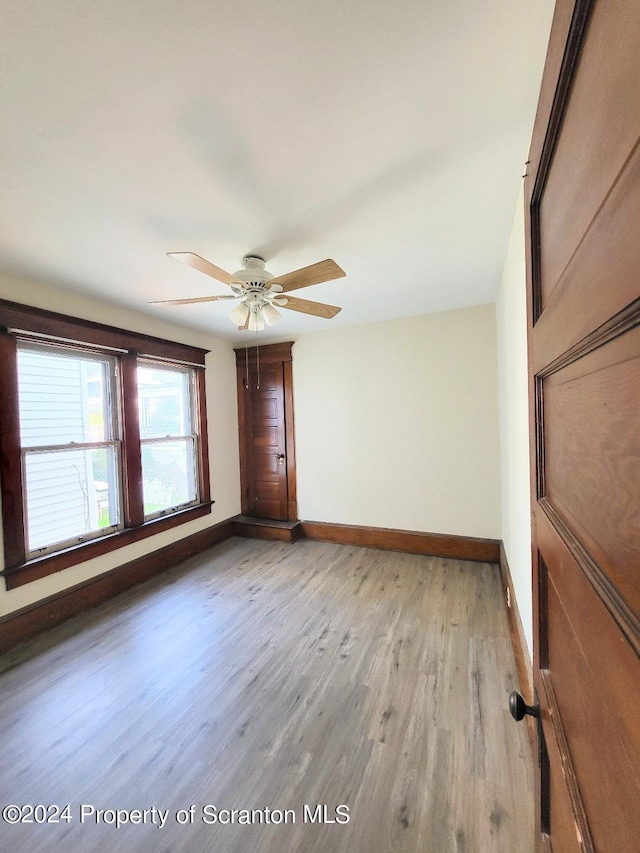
(253, 273)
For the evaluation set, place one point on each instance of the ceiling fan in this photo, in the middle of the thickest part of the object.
(259, 291)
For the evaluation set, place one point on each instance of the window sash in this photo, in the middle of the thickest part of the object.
(190, 418)
(110, 407)
(191, 475)
(94, 533)
(56, 380)
(191, 391)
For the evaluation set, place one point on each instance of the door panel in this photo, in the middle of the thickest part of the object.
(267, 450)
(589, 690)
(612, 660)
(265, 422)
(585, 404)
(583, 206)
(600, 128)
(610, 252)
(587, 711)
(562, 827)
(263, 436)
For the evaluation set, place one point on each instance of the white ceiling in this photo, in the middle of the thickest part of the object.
(388, 136)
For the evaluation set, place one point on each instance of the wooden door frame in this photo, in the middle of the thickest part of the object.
(269, 354)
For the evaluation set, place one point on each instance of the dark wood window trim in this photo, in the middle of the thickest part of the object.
(37, 321)
(10, 466)
(133, 504)
(20, 320)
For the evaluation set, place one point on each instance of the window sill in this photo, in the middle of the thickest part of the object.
(40, 567)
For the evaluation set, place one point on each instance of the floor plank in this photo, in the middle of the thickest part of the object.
(266, 675)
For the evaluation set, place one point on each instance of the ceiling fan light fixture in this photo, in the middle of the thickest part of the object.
(269, 314)
(259, 291)
(239, 314)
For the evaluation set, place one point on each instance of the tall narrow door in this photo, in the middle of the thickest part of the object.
(267, 455)
(583, 202)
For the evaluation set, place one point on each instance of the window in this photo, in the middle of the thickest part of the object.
(70, 446)
(103, 439)
(169, 476)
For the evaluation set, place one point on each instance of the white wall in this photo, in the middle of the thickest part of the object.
(222, 428)
(511, 317)
(397, 424)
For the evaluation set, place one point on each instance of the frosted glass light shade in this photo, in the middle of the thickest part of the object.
(239, 314)
(270, 315)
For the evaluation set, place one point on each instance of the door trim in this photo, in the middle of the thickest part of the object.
(269, 354)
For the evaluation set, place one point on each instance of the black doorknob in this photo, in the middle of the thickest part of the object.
(518, 707)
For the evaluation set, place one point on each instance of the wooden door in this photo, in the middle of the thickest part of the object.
(583, 229)
(265, 416)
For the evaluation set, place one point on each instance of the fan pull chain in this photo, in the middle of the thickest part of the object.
(246, 359)
(258, 361)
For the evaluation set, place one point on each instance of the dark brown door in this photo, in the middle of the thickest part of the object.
(583, 202)
(267, 456)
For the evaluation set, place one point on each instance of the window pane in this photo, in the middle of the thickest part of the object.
(63, 398)
(164, 402)
(69, 494)
(168, 474)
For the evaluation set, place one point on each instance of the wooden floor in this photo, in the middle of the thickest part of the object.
(270, 676)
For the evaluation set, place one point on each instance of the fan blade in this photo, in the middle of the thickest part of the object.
(190, 301)
(315, 274)
(204, 266)
(305, 306)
